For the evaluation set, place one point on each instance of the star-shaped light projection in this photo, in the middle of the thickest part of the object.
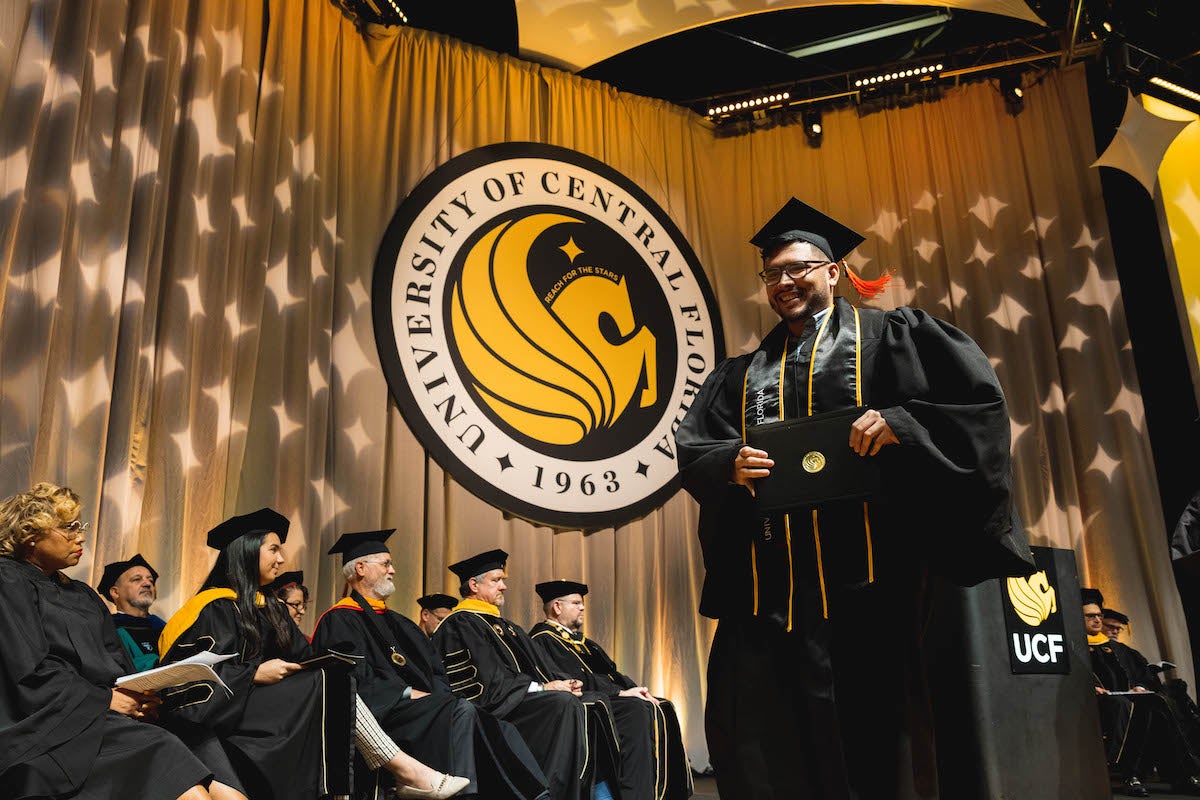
(1104, 463)
(986, 209)
(1141, 141)
(886, 225)
(1073, 339)
(627, 18)
(1009, 313)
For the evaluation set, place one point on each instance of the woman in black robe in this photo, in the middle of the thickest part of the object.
(64, 730)
(289, 730)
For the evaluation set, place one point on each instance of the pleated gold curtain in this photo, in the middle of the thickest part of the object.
(192, 195)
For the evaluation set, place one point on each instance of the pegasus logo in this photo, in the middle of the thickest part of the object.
(1033, 598)
(555, 365)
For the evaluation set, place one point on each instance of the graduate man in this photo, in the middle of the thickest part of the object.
(637, 712)
(132, 586)
(434, 608)
(801, 702)
(402, 681)
(495, 664)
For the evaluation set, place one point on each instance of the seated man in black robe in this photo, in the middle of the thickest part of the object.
(637, 712)
(493, 663)
(132, 586)
(1143, 729)
(434, 608)
(402, 681)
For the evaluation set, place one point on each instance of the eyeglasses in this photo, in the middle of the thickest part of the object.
(1091, 616)
(385, 564)
(796, 270)
(73, 530)
(299, 605)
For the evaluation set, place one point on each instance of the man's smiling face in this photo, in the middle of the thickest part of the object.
(796, 300)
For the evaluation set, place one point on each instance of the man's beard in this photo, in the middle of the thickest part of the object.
(383, 587)
(142, 603)
(577, 625)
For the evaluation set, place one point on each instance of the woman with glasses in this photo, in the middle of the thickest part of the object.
(290, 727)
(290, 590)
(65, 731)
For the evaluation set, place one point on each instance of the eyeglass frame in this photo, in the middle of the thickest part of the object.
(299, 605)
(73, 531)
(384, 564)
(809, 266)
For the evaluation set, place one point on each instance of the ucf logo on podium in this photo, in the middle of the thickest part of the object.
(544, 327)
(1034, 622)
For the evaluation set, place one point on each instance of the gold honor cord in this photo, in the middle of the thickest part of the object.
(858, 401)
(812, 366)
(753, 542)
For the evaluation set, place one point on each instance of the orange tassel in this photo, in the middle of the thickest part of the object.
(867, 288)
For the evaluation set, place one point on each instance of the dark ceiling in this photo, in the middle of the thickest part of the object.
(742, 57)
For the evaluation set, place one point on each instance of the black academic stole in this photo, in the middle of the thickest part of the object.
(387, 643)
(790, 377)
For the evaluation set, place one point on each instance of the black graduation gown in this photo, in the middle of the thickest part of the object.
(288, 739)
(492, 663)
(59, 658)
(442, 730)
(1143, 729)
(800, 702)
(584, 659)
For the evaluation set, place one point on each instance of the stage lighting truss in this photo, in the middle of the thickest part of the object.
(1140, 71)
(898, 76)
(750, 104)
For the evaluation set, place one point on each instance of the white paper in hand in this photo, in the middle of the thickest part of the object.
(193, 668)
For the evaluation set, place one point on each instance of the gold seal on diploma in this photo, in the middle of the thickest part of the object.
(813, 461)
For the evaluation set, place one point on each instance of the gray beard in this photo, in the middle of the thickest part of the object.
(383, 588)
(144, 605)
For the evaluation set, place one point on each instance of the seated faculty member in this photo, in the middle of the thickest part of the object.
(65, 731)
(401, 679)
(434, 608)
(560, 637)
(1147, 724)
(132, 586)
(290, 590)
(287, 728)
(494, 664)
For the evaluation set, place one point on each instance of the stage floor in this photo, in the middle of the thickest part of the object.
(706, 789)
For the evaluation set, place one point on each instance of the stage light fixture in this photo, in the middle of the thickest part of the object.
(1012, 92)
(1176, 88)
(762, 102)
(922, 73)
(813, 129)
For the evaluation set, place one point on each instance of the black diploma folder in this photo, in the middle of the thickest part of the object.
(813, 462)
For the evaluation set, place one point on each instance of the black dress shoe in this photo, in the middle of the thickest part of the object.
(1188, 786)
(1134, 788)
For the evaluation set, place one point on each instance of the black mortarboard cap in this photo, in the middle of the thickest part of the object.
(1091, 597)
(477, 565)
(284, 580)
(115, 570)
(437, 600)
(362, 543)
(832, 237)
(552, 590)
(265, 519)
(1117, 615)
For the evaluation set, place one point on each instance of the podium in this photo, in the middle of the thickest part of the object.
(1004, 734)
(1187, 581)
